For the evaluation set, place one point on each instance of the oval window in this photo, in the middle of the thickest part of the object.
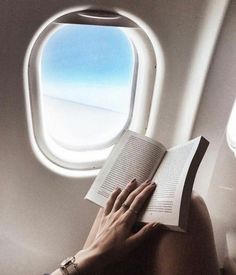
(89, 75)
(87, 78)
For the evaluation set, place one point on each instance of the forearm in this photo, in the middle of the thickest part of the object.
(94, 230)
(57, 272)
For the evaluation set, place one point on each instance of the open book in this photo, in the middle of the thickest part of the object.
(174, 170)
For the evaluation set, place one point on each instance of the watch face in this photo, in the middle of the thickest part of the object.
(67, 262)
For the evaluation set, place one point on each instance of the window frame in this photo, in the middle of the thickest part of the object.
(231, 140)
(73, 163)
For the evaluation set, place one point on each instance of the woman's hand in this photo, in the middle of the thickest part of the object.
(114, 238)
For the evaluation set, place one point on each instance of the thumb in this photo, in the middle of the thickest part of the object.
(136, 239)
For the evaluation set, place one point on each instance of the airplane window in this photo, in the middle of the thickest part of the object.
(231, 129)
(87, 78)
(89, 75)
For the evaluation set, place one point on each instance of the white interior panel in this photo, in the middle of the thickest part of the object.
(42, 213)
(216, 179)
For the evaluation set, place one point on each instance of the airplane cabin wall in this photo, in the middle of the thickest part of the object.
(43, 215)
(219, 167)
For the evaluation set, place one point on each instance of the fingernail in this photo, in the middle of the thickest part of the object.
(153, 184)
(147, 182)
(133, 180)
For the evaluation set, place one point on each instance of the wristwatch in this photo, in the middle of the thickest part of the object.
(69, 267)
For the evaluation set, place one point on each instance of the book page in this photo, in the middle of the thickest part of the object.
(170, 177)
(135, 156)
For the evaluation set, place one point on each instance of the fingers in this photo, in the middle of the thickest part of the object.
(132, 196)
(136, 192)
(124, 194)
(138, 201)
(111, 201)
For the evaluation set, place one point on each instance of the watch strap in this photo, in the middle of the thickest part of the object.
(70, 270)
(69, 267)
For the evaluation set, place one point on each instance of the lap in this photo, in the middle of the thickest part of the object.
(168, 252)
(187, 253)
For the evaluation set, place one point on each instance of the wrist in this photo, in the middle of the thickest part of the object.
(88, 261)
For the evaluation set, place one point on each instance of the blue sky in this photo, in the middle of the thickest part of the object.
(88, 55)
